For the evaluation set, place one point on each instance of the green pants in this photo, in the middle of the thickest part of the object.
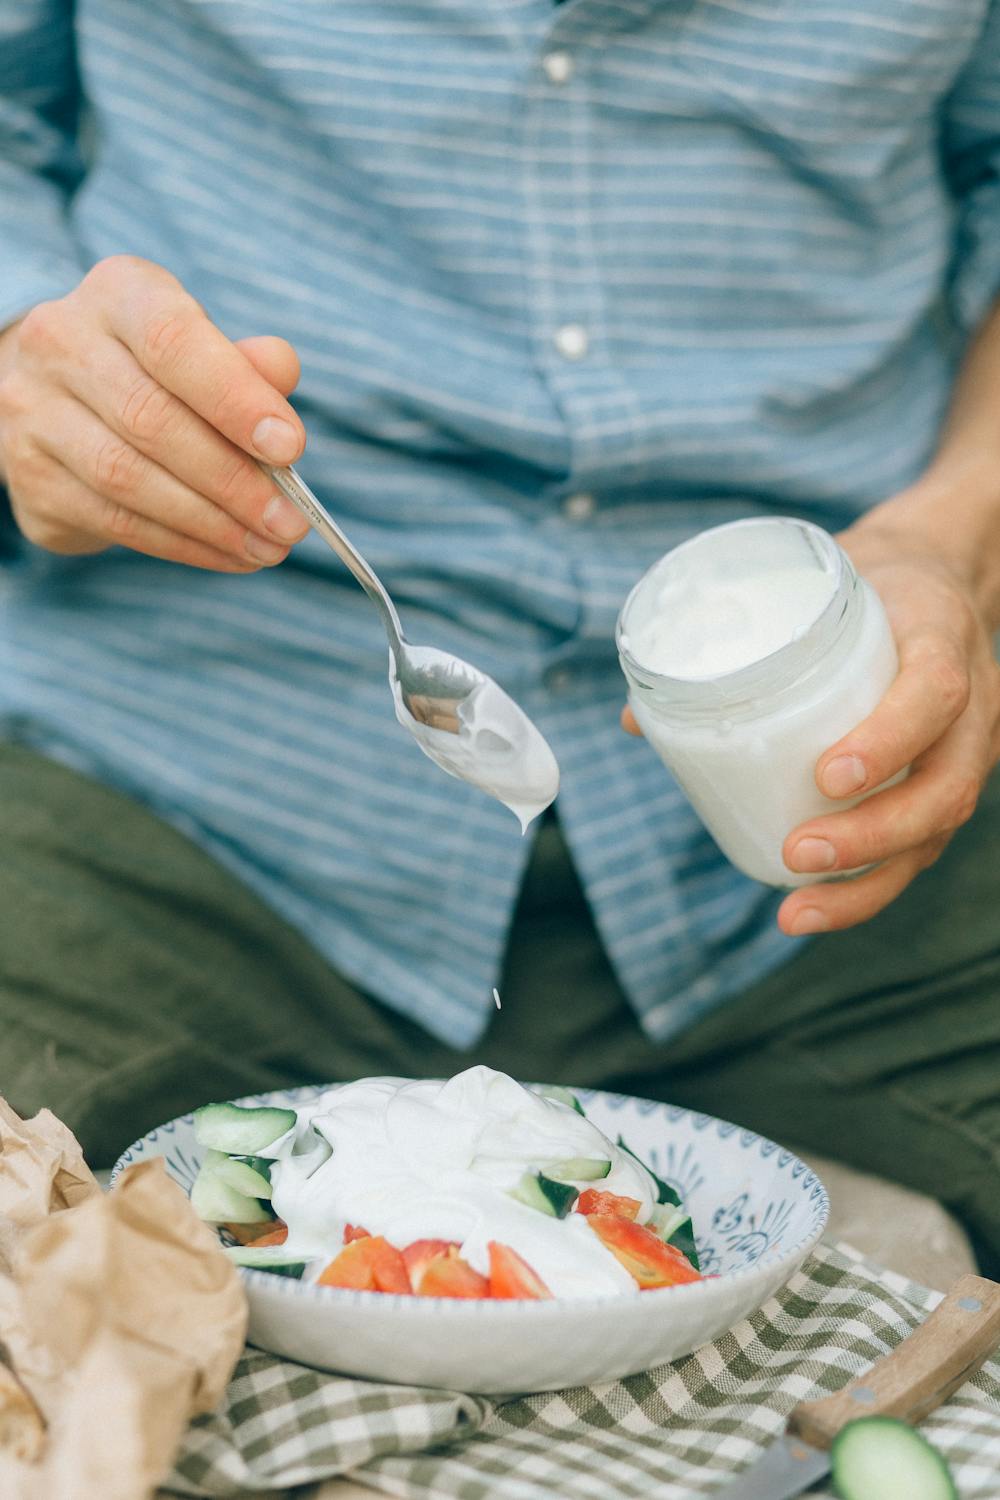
(139, 979)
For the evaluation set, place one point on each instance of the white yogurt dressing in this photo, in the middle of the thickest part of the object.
(497, 749)
(707, 619)
(432, 1160)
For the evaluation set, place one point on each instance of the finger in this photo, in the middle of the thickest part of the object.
(173, 340)
(831, 908)
(273, 358)
(928, 695)
(63, 511)
(158, 424)
(939, 796)
(629, 722)
(112, 468)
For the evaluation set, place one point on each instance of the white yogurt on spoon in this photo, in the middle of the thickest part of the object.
(432, 1160)
(497, 749)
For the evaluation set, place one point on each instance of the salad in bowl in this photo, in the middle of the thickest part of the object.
(477, 1235)
(474, 1188)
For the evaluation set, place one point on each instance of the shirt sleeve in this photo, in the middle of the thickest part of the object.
(971, 155)
(40, 163)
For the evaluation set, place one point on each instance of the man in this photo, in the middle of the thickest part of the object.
(566, 284)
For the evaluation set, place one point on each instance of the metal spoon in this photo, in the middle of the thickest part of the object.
(458, 715)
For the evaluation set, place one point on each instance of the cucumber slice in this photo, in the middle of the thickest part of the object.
(268, 1258)
(262, 1164)
(674, 1227)
(244, 1177)
(665, 1219)
(685, 1242)
(560, 1195)
(239, 1131)
(579, 1169)
(881, 1458)
(538, 1191)
(664, 1193)
(561, 1096)
(218, 1203)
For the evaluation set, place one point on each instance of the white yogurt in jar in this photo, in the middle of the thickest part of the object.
(708, 624)
(749, 651)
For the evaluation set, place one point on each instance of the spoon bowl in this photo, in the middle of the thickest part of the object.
(461, 719)
(433, 684)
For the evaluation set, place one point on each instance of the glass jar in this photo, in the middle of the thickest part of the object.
(750, 650)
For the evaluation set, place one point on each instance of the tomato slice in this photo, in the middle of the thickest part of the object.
(354, 1232)
(643, 1253)
(368, 1264)
(448, 1275)
(419, 1254)
(259, 1234)
(390, 1270)
(594, 1201)
(510, 1276)
(351, 1268)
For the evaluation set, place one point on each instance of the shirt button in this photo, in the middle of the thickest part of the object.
(579, 507)
(558, 67)
(559, 680)
(572, 341)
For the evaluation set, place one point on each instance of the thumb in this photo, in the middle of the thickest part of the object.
(273, 358)
(628, 721)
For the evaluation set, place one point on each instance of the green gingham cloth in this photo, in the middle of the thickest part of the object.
(677, 1431)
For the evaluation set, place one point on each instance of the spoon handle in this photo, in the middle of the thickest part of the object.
(292, 485)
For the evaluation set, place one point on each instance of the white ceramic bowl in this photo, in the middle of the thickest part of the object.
(757, 1212)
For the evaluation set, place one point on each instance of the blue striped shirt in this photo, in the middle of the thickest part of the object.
(568, 283)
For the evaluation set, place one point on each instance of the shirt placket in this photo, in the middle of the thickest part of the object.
(566, 297)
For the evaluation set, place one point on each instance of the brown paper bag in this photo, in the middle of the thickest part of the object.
(120, 1317)
(42, 1171)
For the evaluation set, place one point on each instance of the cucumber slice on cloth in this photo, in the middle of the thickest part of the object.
(218, 1203)
(240, 1131)
(267, 1258)
(881, 1458)
(536, 1190)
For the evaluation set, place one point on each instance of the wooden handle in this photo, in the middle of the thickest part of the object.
(939, 1356)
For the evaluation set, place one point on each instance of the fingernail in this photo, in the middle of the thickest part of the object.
(843, 776)
(261, 551)
(275, 440)
(809, 919)
(283, 520)
(810, 855)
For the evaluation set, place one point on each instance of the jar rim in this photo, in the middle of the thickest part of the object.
(766, 675)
